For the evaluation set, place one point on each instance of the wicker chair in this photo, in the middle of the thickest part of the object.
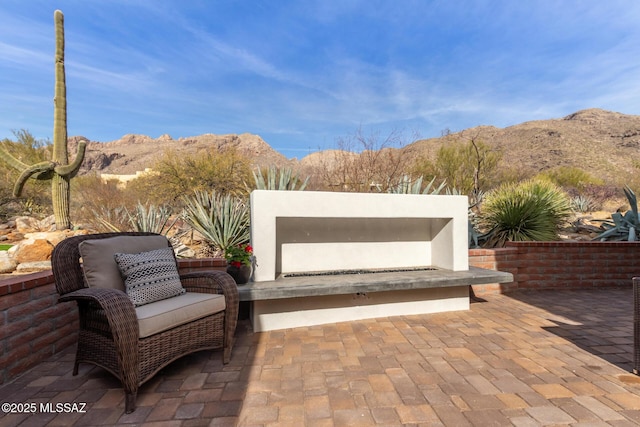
(636, 325)
(109, 331)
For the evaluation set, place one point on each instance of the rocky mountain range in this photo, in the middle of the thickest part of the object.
(604, 143)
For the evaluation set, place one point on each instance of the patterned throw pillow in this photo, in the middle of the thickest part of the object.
(150, 276)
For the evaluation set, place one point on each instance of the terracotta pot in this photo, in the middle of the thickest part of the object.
(240, 274)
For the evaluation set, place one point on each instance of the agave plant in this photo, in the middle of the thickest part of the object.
(474, 236)
(406, 185)
(223, 220)
(154, 219)
(623, 227)
(528, 211)
(582, 204)
(278, 179)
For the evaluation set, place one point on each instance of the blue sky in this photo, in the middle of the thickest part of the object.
(302, 74)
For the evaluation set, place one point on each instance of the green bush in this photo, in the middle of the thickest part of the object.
(529, 211)
(175, 174)
(27, 149)
(468, 166)
(570, 177)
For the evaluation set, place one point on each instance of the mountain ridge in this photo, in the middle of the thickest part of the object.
(604, 143)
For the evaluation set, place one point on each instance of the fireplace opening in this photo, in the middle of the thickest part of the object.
(357, 271)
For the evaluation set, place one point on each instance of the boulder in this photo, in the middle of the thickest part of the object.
(7, 263)
(54, 237)
(33, 266)
(32, 250)
(27, 224)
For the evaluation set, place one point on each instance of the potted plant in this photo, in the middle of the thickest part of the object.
(239, 262)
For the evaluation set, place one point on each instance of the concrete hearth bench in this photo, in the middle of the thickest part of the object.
(304, 300)
(299, 233)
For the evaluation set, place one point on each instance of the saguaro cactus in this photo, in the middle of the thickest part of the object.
(58, 170)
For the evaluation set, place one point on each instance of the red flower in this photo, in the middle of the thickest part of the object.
(236, 264)
(249, 249)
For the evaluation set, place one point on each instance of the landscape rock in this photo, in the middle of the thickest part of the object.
(54, 237)
(7, 263)
(32, 250)
(47, 223)
(33, 266)
(27, 224)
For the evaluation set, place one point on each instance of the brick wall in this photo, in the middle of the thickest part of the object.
(33, 326)
(554, 265)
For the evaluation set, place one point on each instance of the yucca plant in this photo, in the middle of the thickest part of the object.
(528, 211)
(623, 227)
(279, 179)
(223, 220)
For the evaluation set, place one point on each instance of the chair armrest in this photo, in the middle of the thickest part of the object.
(123, 321)
(217, 282)
(211, 282)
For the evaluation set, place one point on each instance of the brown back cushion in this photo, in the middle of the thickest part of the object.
(99, 264)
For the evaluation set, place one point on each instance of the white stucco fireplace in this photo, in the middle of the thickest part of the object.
(329, 257)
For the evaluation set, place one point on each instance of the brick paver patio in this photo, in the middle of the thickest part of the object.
(524, 359)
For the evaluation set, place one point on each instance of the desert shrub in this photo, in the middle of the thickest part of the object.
(468, 166)
(570, 177)
(529, 211)
(363, 163)
(174, 175)
(29, 150)
(96, 202)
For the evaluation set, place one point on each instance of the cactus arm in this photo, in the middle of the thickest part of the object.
(39, 170)
(72, 169)
(12, 161)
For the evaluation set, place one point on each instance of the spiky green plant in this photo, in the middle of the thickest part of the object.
(278, 179)
(623, 227)
(58, 170)
(582, 204)
(223, 220)
(528, 211)
(474, 200)
(407, 185)
(154, 219)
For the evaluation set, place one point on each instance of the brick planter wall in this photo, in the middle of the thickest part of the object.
(555, 265)
(33, 326)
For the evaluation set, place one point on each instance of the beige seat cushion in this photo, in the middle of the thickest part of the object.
(168, 313)
(99, 266)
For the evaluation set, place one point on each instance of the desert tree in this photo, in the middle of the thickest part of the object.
(365, 163)
(467, 164)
